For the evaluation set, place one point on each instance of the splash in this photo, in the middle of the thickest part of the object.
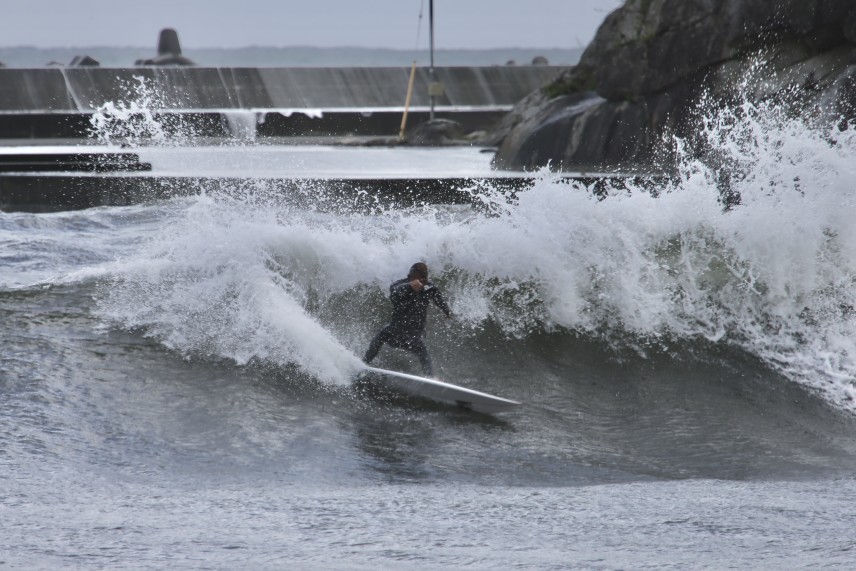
(211, 288)
(775, 274)
(129, 122)
(755, 249)
(137, 119)
(242, 124)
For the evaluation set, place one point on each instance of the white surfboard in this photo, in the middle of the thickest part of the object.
(443, 392)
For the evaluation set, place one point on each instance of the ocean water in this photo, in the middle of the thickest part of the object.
(174, 381)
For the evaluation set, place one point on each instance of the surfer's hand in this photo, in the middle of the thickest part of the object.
(417, 284)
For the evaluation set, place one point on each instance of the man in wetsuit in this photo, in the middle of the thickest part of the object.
(410, 297)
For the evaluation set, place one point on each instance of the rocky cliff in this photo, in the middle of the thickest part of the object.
(642, 76)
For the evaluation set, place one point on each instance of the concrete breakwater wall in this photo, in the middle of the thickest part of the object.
(57, 102)
(58, 192)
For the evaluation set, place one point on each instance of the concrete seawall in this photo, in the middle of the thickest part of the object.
(57, 192)
(57, 102)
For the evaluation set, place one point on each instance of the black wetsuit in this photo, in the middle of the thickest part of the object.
(407, 326)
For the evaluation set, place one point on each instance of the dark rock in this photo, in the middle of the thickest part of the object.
(540, 60)
(168, 43)
(523, 111)
(169, 51)
(435, 133)
(649, 61)
(544, 135)
(82, 61)
(849, 28)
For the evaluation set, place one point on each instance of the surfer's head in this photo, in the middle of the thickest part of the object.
(418, 271)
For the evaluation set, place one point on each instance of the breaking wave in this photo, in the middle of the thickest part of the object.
(755, 249)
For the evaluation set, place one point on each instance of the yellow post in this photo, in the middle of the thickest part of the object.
(407, 100)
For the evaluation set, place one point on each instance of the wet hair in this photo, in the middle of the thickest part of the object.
(418, 270)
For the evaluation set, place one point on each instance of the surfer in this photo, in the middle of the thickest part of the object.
(410, 297)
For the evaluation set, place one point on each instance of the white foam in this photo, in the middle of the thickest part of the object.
(774, 275)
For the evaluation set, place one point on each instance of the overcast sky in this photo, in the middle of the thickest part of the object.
(458, 24)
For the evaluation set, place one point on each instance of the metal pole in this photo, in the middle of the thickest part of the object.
(431, 41)
(407, 100)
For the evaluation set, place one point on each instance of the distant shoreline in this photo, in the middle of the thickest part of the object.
(291, 56)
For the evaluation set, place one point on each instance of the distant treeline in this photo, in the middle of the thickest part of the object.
(25, 56)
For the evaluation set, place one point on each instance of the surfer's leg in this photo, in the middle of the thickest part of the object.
(418, 347)
(374, 346)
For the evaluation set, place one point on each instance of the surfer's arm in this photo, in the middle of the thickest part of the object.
(399, 290)
(438, 300)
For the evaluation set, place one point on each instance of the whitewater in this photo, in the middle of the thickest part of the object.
(637, 269)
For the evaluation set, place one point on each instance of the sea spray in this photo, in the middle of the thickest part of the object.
(137, 118)
(243, 275)
(754, 249)
(213, 286)
(761, 255)
(130, 120)
(790, 242)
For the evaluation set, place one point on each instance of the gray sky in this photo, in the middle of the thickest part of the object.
(458, 24)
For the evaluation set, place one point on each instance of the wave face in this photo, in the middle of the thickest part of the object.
(641, 271)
